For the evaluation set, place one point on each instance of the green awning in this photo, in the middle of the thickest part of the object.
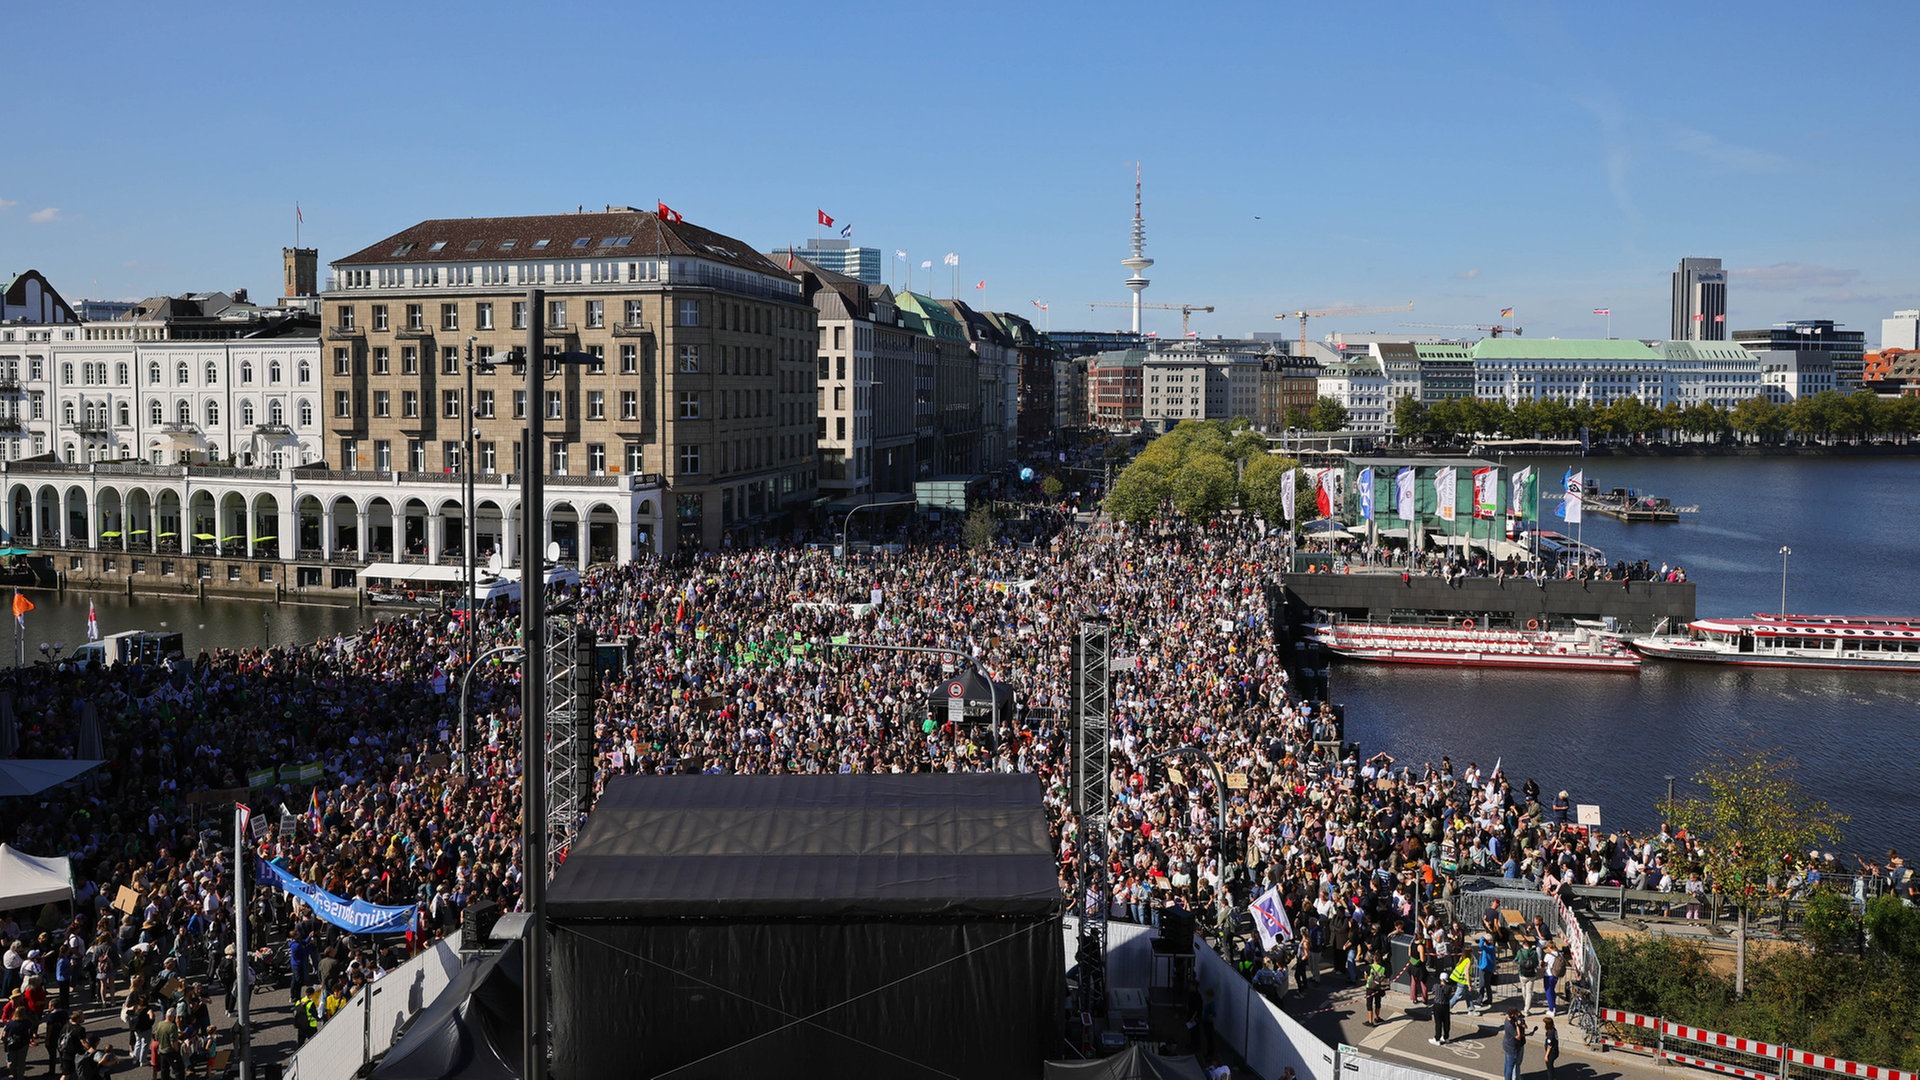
(142, 532)
(168, 536)
(234, 540)
(264, 539)
(110, 535)
(202, 536)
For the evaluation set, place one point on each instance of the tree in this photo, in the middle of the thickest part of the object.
(1752, 823)
(1327, 415)
(980, 528)
(1204, 486)
(1759, 419)
(1138, 492)
(1410, 417)
(1260, 487)
(1052, 488)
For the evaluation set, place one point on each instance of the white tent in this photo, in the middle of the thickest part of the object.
(26, 880)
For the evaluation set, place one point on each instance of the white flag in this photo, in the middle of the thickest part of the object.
(952, 259)
(1576, 487)
(1270, 918)
(899, 253)
(1446, 489)
(1288, 481)
(1403, 494)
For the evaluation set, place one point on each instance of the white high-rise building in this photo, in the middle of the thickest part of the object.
(1700, 301)
(1902, 331)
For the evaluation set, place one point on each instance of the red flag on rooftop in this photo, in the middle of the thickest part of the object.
(668, 213)
(824, 218)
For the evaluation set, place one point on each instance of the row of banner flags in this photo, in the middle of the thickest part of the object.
(1523, 495)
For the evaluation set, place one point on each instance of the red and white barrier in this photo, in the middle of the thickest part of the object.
(1755, 1047)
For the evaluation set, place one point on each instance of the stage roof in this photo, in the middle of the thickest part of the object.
(780, 847)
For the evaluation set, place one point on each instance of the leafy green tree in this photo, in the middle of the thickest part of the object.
(1327, 415)
(1752, 822)
(1204, 486)
(1260, 487)
(1052, 488)
(1139, 492)
(1831, 924)
(980, 528)
(1893, 929)
(1410, 417)
(1759, 419)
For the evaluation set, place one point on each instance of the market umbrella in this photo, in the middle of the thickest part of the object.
(198, 536)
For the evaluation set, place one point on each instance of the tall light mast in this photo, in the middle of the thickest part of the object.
(1138, 261)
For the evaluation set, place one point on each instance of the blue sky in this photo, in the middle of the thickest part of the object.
(1467, 157)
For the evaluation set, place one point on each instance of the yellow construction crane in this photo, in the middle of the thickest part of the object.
(1494, 329)
(1316, 313)
(1185, 310)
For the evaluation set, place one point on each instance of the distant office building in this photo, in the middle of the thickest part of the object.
(1699, 301)
(1605, 371)
(1359, 385)
(1902, 331)
(103, 310)
(840, 256)
(1802, 358)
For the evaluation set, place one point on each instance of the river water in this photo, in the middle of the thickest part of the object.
(1613, 739)
(1608, 739)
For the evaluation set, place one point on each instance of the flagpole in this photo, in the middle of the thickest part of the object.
(241, 991)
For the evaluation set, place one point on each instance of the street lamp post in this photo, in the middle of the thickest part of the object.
(466, 680)
(1784, 552)
(865, 506)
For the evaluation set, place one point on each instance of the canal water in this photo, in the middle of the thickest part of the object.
(1608, 739)
(1613, 739)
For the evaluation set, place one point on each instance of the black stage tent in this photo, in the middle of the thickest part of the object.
(794, 926)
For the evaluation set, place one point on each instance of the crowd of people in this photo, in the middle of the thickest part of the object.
(745, 660)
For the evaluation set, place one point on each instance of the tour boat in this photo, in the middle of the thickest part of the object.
(1467, 645)
(1863, 642)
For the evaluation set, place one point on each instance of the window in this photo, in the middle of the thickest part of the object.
(450, 453)
(633, 316)
(416, 456)
(276, 412)
(213, 373)
(382, 361)
(449, 316)
(556, 313)
(246, 372)
(596, 459)
(483, 315)
(382, 455)
(488, 459)
(519, 315)
(380, 318)
(689, 404)
(690, 459)
(690, 315)
(450, 360)
(629, 359)
(483, 404)
(636, 458)
(306, 413)
(409, 360)
(153, 373)
(273, 372)
(66, 413)
(599, 354)
(416, 317)
(213, 414)
(306, 373)
(596, 405)
(182, 376)
(156, 415)
(596, 313)
(450, 404)
(629, 405)
(120, 373)
(555, 405)
(690, 358)
(346, 316)
(382, 402)
(246, 414)
(409, 404)
(126, 415)
(557, 459)
(183, 412)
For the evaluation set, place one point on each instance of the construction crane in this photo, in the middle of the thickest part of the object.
(1494, 330)
(1185, 310)
(1316, 313)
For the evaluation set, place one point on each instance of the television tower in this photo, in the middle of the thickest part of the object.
(1138, 261)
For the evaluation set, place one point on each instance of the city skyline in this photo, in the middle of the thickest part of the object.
(1553, 160)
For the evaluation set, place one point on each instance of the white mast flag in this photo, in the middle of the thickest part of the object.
(1446, 489)
(952, 259)
(1403, 494)
(1576, 486)
(1288, 481)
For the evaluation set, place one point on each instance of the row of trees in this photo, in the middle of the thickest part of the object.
(1199, 469)
(1819, 418)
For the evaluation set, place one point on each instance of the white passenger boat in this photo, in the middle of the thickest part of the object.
(1867, 642)
(1467, 645)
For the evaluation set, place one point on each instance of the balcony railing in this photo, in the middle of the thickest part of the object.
(9, 386)
(633, 329)
(415, 332)
(339, 333)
